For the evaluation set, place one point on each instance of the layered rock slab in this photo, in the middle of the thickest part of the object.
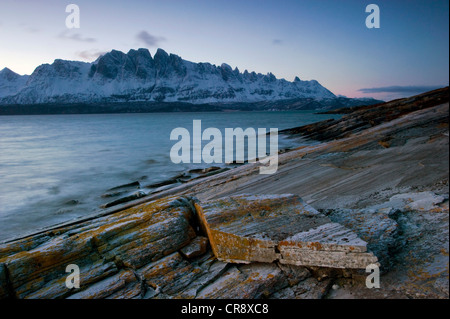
(107, 250)
(153, 251)
(268, 228)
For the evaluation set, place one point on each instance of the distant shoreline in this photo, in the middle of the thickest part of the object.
(306, 104)
(108, 108)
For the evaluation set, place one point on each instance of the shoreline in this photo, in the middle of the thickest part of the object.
(386, 180)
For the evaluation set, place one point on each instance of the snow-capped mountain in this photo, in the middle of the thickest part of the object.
(11, 82)
(137, 77)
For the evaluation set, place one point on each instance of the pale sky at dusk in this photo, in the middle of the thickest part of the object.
(318, 39)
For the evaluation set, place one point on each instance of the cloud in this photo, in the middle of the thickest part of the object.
(90, 55)
(277, 41)
(400, 89)
(75, 37)
(27, 28)
(148, 39)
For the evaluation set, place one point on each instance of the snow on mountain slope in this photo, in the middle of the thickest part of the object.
(11, 82)
(137, 76)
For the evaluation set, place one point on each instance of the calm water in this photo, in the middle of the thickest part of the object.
(56, 167)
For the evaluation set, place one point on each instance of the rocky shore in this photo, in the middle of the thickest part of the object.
(379, 175)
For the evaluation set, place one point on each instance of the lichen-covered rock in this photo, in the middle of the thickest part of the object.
(213, 270)
(250, 228)
(294, 274)
(122, 285)
(246, 282)
(310, 288)
(376, 227)
(24, 244)
(31, 271)
(155, 250)
(378, 224)
(170, 275)
(421, 201)
(100, 248)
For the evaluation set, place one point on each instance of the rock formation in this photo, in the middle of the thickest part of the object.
(269, 228)
(386, 184)
(157, 250)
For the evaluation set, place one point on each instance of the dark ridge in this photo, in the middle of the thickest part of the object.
(363, 117)
(106, 108)
(124, 106)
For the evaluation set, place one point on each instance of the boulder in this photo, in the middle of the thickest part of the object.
(268, 228)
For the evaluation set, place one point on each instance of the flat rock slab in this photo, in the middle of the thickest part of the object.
(268, 228)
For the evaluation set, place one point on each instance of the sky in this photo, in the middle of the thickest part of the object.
(316, 39)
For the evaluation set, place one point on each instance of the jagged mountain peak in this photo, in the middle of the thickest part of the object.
(137, 76)
(11, 82)
(9, 74)
(161, 54)
(145, 53)
(6, 70)
(226, 67)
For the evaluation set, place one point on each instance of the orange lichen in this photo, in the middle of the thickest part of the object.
(315, 246)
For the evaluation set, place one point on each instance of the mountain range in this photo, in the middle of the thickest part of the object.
(118, 78)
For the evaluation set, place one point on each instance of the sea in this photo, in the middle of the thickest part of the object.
(55, 168)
